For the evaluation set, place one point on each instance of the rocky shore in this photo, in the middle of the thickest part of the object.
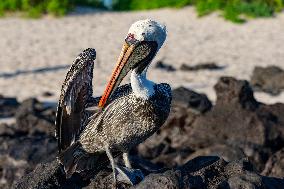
(236, 143)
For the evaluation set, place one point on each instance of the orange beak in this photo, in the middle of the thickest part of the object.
(119, 72)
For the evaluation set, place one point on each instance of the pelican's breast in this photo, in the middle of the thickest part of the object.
(136, 118)
(128, 120)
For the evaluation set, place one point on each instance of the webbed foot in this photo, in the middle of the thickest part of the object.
(129, 176)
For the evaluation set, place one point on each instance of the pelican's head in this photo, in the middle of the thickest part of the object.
(147, 31)
(144, 39)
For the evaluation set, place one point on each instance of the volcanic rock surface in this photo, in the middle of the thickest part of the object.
(201, 172)
(268, 79)
(201, 66)
(8, 106)
(164, 66)
(226, 145)
(28, 142)
(237, 126)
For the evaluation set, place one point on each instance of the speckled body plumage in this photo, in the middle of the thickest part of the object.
(127, 120)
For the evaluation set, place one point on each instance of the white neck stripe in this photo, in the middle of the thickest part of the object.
(141, 86)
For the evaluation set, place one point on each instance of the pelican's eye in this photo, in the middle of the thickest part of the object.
(130, 39)
(130, 36)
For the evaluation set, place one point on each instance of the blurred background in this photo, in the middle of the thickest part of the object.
(40, 39)
(207, 39)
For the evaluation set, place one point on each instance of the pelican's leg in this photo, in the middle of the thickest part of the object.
(127, 174)
(111, 159)
(126, 160)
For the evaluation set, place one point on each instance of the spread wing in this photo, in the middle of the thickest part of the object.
(75, 95)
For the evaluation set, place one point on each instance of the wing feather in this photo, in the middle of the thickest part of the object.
(75, 95)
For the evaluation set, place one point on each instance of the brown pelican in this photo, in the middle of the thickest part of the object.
(126, 115)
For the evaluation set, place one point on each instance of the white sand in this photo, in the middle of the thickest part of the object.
(48, 42)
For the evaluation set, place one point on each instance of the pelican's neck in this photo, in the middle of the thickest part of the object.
(141, 86)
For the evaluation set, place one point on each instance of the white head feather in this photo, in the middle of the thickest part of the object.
(149, 30)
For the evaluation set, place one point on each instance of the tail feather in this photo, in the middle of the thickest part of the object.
(76, 159)
(69, 158)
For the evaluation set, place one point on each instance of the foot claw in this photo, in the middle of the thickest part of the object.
(129, 176)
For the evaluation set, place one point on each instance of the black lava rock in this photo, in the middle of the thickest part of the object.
(190, 99)
(268, 79)
(8, 106)
(163, 66)
(201, 66)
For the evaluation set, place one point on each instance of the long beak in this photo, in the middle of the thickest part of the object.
(120, 71)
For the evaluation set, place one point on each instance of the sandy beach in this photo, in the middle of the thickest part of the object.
(36, 54)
